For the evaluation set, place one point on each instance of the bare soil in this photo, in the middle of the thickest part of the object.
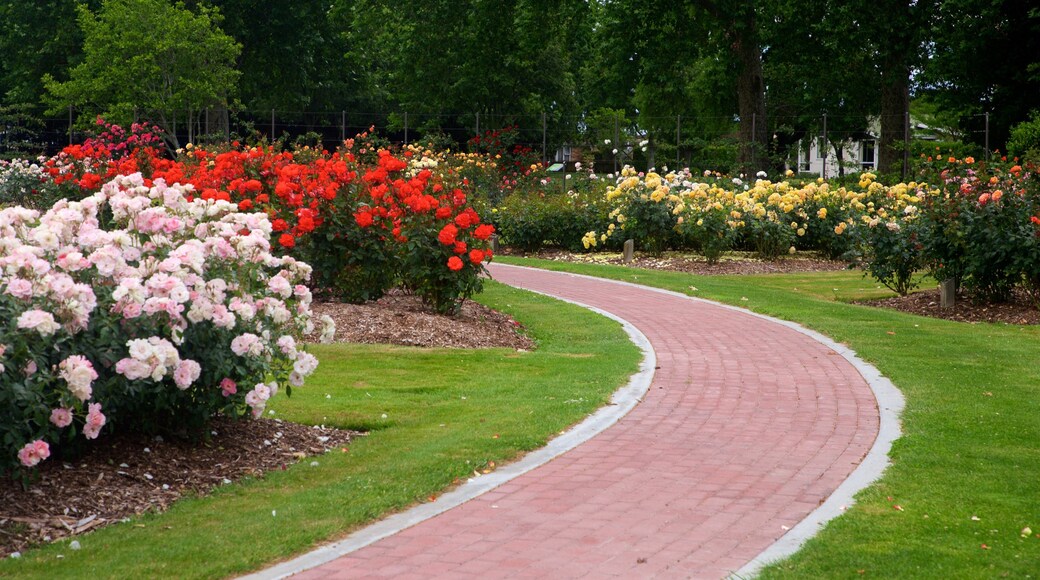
(401, 319)
(124, 475)
(1019, 310)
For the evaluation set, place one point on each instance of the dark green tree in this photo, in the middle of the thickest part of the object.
(130, 71)
(984, 57)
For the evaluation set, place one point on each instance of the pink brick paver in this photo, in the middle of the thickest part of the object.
(747, 427)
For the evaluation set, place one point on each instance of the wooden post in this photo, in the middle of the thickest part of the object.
(947, 290)
(545, 160)
(630, 251)
(678, 126)
(494, 243)
(823, 147)
(987, 135)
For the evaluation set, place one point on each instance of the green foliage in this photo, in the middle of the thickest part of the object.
(709, 232)
(650, 223)
(892, 253)
(530, 221)
(1025, 139)
(131, 69)
(770, 237)
(351, 263)
(20, 130)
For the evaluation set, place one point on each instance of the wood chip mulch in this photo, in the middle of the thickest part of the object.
(1019, 310)
(697, 265)
(126, 475)
(401, 319)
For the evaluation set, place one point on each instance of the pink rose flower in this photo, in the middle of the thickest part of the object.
(33, 453)
(186, 373)
(61, 417)
(228, 387)
(95, 421)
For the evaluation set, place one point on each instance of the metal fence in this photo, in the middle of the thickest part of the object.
(685, 140)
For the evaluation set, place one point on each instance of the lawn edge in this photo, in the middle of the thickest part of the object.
(621, 403)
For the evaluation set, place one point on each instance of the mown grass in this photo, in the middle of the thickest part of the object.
(966, 473)
(433, 416)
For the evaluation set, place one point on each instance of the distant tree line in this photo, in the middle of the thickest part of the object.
(771, 66)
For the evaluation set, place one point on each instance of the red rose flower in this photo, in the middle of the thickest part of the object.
(460, 247)
(245, 205)
(462, 220)
(447, 235)
(287, 241)
(279, 225)
(476, 257)
(483, 231)
(443, 213)
(455, 263)
(364, 218)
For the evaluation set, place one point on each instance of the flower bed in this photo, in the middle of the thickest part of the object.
(141, 307)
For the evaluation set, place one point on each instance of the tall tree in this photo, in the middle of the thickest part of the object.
(291, 58)
(37, 38)
(128, 69)
(820, 62)
(899, 44)
(984, 57)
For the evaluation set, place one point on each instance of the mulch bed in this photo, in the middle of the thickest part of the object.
(1019, 310)
(125, 475)
(697, 265)
(401, 319)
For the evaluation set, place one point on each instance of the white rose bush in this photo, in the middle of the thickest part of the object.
(141, 308)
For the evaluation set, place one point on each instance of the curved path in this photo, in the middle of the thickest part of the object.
(748, 426)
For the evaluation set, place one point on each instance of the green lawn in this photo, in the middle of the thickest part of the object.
(434, 415)
(966, 473)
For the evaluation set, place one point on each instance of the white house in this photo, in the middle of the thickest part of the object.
(816, 156)
(859, 153)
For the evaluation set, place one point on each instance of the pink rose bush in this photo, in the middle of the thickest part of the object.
(143, 307)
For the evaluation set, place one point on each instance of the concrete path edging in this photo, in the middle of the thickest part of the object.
(890, 406)
(621, 403)
(888, 401)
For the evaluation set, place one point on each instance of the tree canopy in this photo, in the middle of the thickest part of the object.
(760, 73)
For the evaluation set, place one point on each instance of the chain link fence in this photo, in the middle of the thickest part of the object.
(603, 141)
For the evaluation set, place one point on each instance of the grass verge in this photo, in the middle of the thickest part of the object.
(965, 477)
(434, 417)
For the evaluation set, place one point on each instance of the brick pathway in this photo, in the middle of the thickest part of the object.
(747, 427)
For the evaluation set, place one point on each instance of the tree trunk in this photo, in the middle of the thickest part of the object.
(839, 154)
(895, 102)
(751, 99)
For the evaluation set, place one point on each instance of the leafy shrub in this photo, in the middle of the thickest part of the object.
(709, 230)
(892, 251)
(1025, 139)
(175, 313)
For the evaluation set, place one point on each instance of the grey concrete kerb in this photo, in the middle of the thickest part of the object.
(890, 405)
(621, 402)
(889, 401)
